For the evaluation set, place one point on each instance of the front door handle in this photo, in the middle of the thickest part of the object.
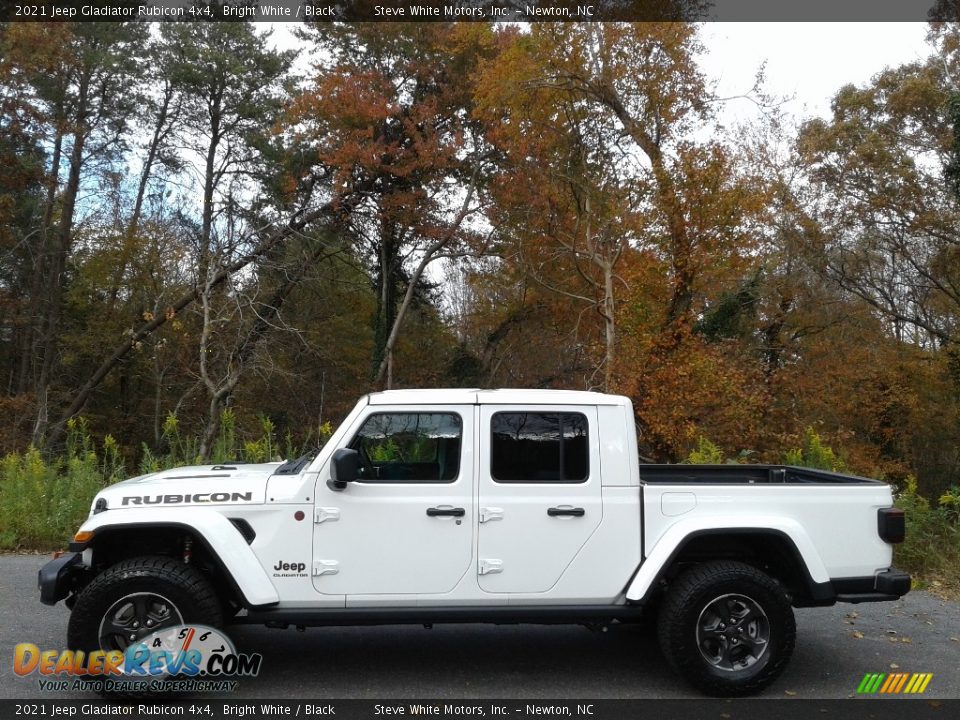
(446, 512)
(566, 512)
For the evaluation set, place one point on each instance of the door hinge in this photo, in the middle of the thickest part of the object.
(489, 566)
(325, 567)
(487, 514)
(321, 514)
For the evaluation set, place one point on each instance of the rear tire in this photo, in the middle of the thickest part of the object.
(727, 628)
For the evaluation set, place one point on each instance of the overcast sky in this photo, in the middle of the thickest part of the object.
(810, 61)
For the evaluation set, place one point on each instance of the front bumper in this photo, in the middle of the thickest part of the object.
(59, 577)
(889, 584)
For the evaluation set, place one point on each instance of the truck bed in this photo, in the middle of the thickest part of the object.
(653, 474)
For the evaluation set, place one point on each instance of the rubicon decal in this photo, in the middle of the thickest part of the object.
(219, 497)
(894, 683)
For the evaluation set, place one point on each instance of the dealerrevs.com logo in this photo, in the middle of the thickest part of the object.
(181, 658)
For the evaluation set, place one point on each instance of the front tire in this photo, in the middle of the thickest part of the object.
(137, 597)
(727, 628)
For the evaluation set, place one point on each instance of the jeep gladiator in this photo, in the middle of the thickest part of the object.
(497, 506)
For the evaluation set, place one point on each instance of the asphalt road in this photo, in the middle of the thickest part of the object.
(835, 647)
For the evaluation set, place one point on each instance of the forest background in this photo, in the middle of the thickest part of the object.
(208, 252)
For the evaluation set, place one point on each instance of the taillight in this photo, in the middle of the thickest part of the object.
(891, 524)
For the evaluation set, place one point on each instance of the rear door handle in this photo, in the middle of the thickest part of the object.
(446, 512)
(566, 512)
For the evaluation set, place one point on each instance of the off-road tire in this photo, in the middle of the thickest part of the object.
(687, 606)
(183, 585)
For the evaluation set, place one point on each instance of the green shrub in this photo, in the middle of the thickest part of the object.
(814, 454)
(706, 453)
(932, 545)
(42, 502)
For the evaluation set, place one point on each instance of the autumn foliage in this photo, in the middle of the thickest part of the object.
(445, 204)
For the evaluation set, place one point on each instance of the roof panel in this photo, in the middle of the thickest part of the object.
(504, 396)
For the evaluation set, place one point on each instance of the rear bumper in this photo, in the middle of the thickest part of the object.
(58, 577)
(889, 584)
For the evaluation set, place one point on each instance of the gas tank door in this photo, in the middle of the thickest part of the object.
(673, 504)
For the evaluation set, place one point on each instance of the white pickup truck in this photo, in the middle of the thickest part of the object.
(497, 506)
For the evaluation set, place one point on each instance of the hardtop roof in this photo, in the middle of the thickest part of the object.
(502, 396)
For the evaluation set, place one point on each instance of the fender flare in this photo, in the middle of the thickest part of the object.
(672, 542)
(222, 540)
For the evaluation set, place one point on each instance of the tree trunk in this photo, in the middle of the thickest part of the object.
(212, 427)
(209, 184)
(609, 325)
(160, 133)
(386, 310)
(58, 258)
(34, 328)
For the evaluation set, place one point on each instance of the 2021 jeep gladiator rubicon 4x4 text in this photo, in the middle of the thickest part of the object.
(430, 506)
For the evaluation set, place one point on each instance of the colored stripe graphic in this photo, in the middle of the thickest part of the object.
(894, 683)
(891, 682)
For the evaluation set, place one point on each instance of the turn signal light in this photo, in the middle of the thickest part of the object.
(83, 536)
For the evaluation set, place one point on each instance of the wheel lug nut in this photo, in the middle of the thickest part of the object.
(133, 636)
(149, 623)
(136, 624)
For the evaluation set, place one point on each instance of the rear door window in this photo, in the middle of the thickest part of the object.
(539, 447)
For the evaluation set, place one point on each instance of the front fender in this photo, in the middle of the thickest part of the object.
(221, 538)
(673, 540)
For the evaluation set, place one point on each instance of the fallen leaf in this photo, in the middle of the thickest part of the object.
(853, 615)
(857, 634)
(906, 640)
(790, 692)
(955, 639)
(892, 639)
(894, 666)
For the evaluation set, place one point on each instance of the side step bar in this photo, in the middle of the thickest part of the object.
(497, 614)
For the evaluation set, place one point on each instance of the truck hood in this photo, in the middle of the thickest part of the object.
(193, 485)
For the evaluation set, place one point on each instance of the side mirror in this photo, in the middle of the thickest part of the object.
(343, 468)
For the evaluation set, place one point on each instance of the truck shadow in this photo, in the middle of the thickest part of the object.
(458, 661)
